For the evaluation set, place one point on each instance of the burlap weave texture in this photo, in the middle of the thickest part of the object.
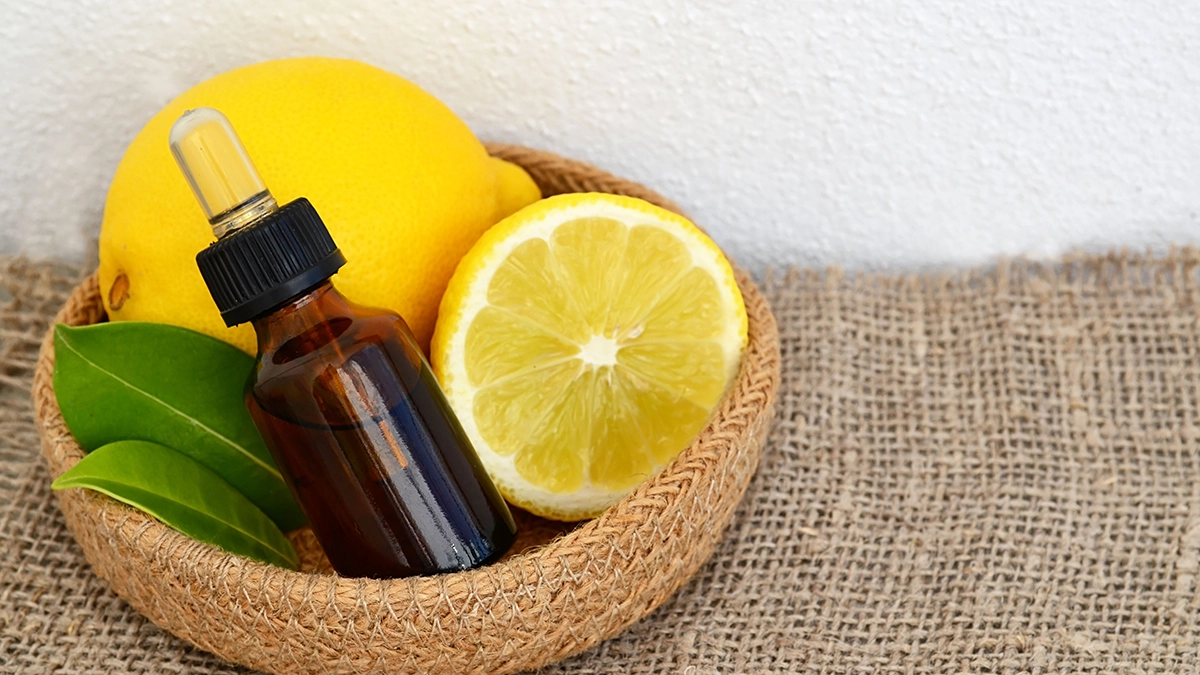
(993, 471)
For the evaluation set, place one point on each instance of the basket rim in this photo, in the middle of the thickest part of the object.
(741, 418)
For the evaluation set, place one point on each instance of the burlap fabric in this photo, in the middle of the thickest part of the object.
(993, 471)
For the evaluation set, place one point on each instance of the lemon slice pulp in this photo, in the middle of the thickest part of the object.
(583, 343)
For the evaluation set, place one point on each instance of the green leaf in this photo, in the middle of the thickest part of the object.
(175, 387)
(183, 494)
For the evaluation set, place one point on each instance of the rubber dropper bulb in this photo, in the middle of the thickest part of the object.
(216, 165)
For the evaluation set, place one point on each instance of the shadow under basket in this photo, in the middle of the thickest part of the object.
(564, 588)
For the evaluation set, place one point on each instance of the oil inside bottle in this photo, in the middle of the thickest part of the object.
(365, 438)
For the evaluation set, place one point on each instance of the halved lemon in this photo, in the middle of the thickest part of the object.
(584, 342)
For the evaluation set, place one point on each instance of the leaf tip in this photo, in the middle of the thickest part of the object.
(62, 334)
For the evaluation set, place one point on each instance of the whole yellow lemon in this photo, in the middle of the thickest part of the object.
(403, 185)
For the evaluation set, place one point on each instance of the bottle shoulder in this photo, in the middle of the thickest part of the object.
(336, 342)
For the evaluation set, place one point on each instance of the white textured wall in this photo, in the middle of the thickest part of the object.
(870, 134)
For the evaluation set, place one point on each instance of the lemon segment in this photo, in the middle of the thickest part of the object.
(584, 342)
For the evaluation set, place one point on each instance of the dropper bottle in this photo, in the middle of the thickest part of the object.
(342, 394)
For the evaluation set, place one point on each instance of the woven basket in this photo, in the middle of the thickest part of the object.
(557, 594)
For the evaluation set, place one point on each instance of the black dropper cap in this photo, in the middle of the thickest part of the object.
(259, 267)
(264, 255)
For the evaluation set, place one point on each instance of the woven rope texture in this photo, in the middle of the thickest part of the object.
(533, 608)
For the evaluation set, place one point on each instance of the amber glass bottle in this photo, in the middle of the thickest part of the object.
(368, 444)
(342, 394)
